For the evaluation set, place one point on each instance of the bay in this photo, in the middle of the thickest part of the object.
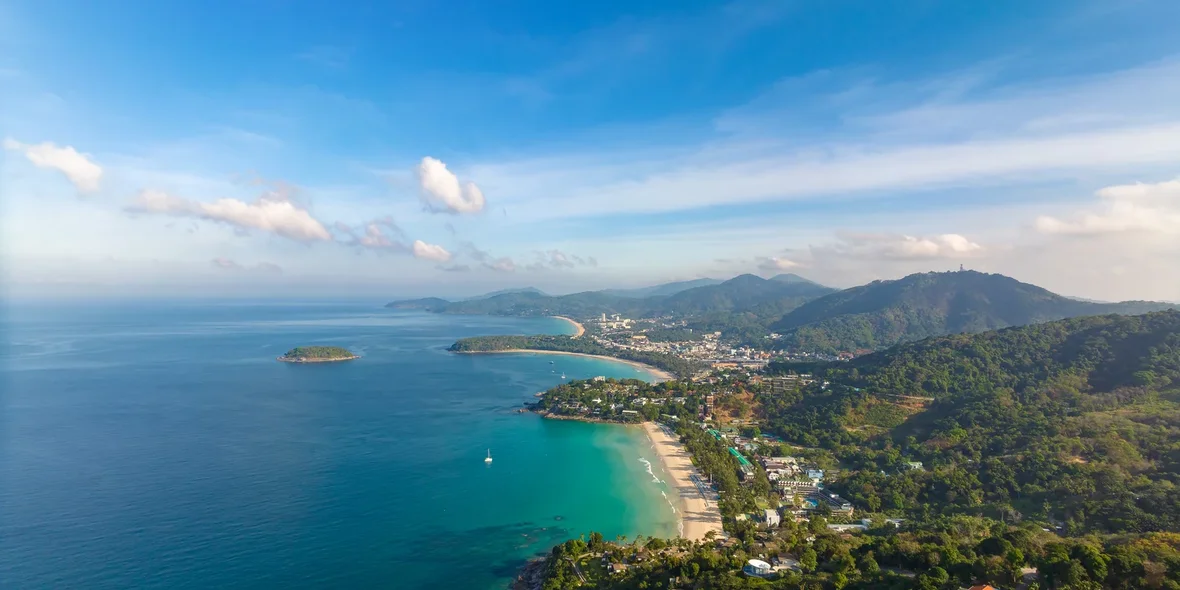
(156, 445)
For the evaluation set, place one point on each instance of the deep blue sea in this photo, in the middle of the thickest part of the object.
(153, 445)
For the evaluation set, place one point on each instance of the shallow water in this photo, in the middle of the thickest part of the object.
(162, 446)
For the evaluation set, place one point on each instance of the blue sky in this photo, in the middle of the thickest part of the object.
(260, 147)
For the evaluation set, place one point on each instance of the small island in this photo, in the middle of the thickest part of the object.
(317, 354)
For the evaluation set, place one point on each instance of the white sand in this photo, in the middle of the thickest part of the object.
(579, 328)
(659, 374)
(699, 513)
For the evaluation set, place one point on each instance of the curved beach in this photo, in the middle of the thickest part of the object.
(579, 329)
(699, 511)
(659, 375)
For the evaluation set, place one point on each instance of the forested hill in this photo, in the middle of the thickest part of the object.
(745, 293)
(883, 313)
(1075, 420)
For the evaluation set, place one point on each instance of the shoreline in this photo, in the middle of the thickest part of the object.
(308, 360)
(579, 329)
(698, 515)
(659, 375)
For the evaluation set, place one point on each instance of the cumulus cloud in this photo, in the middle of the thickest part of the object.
(78, 167)
(430, 251)
(378, 234)
(270, 213)
(1139, 207)
(774, 263)
(503, 264)
(901, 247)
(261, 267)
(443, 193)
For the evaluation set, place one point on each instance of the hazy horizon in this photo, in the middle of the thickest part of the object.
(408, 151)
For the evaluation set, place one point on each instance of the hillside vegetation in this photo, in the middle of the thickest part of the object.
(1077, 421)
(883, 313)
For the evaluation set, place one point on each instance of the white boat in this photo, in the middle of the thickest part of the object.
(563, 375)
(489, 459)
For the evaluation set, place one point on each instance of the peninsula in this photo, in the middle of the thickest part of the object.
(317, 354)
(665, 365)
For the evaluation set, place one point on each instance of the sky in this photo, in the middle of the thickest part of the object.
(267, 147)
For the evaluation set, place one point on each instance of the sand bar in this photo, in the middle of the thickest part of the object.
(699, 511)
(658, 374)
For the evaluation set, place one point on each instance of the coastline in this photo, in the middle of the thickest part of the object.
(309, 360)
(579, 329)
(698, 514)
(659, 375)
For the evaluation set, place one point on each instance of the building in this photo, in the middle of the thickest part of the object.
(772, 518)
(848, 528)
(914, 465)
(836, 503)
(758, 568)
(816, 475)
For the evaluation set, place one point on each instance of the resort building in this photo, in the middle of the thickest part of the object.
(772, 518)
(758, 568)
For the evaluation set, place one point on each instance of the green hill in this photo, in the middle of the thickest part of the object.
(883, 313)
(1074, 420)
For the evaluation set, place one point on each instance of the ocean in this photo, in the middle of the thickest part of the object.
(154, 445)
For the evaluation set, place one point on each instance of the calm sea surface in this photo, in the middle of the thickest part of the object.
(163, 446)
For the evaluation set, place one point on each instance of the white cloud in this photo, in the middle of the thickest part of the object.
(378, 234)
(442, 191)
(261, 267)
(503, 264)
(1139, 207)
(430, 251)
(775, 263)
(269, 214)
(852, 135)
(79, 168)
(900, 247)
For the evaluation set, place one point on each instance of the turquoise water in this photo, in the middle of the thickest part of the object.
(162, 446)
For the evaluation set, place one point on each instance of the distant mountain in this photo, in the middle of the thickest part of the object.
(918, 306)
(664, 289)
(532, 290)
(425, 304)
(744, 293)
(766, 299)
(792, 278)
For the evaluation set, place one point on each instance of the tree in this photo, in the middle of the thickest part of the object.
(596, 541)
(808, 560)
(867, 564)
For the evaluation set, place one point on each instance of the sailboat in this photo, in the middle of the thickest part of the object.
(489, 459)
(563, 374)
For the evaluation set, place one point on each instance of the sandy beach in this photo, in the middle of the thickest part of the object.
(659, 374)
(699, 511)
(579, 328)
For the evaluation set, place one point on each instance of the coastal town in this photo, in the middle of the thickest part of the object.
(671, 336)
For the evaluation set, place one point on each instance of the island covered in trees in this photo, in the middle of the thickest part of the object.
(317, 354)
(680, 367)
